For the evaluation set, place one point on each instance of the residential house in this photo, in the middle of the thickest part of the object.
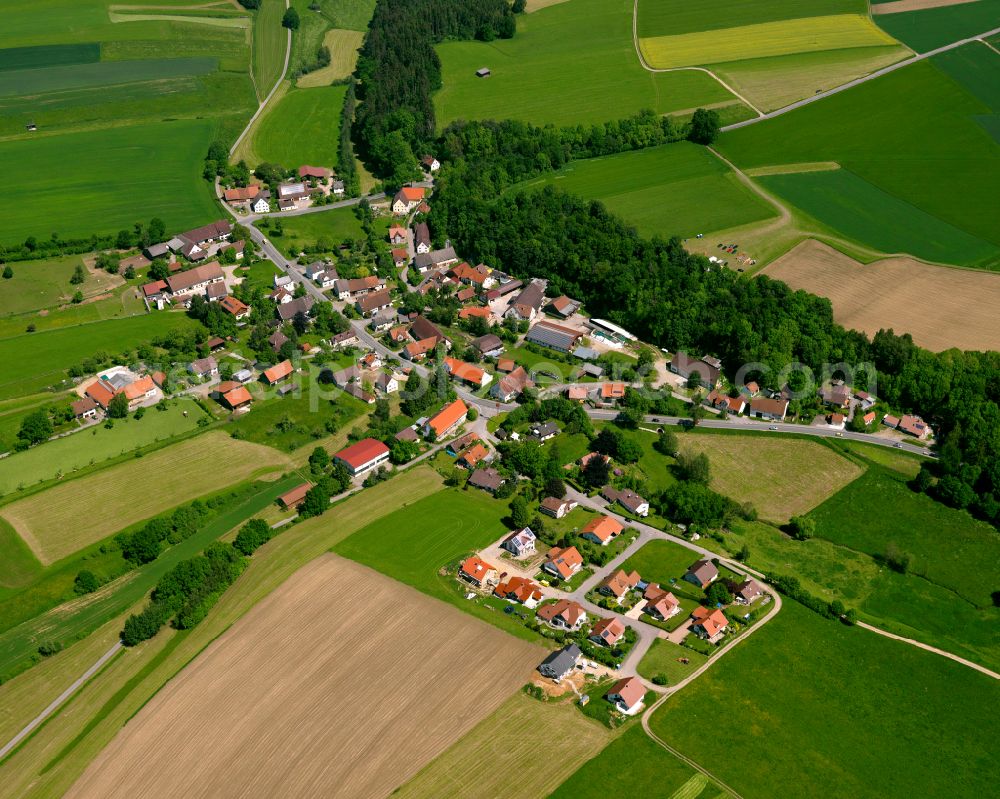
(511, 386)
(139, 391)
(660, 604)
(196, 280)
(867, 400)
(289, 310)
(506, 365)
(747, 591)
(343, 377)
(406, 199)
(707, 370)
(277, 340)
(868, 418)
(564, 306)
(363, 455)
(400, 256)
(446, 420)
(237, 398)
(216, 291)
(915, 426)
(555, 507)
(488, 479)
(337, 187)
(278, 372)
(344, 289)
(373, 303)
(528, 303)
(156, 293)
(576, 393)
(293, 498)
(553, 336)
(346, 339)
(520, 543)
(386, 383)
(489, 346)
(627, 498)
(421, 238)
(418, 350)
(627, 695)
(467, 373)
(520, 589)
(234, 307)
(709, 624)
(602, 530)
(721, 401)
(397, 234)
(204, 367)
(836, 394)
(618, 584)
(480, 311)
(544, 431)
(771, 409)
(85, 408)
(477, 571)
(607, 632)
(240, 194)
(564, 614)
(477, 277)
(473, 455)
(611, 393)
(561, 662)
(563, 562)
(465, 295)
(100, 393)
(702, 573)
(750, 390)
(261, 204)
(430, 163)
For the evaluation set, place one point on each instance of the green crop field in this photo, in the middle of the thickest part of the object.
(104, 73)
(82, 449)
(934, 27)
(269, 43)
(977, 68)
(941, 541)
(35, 361)
(303, 127)
(865, 213)
(929, 152)
(815, 695)
(644, 769)
(14, 58)
(673, 17)
(568, 64)
(108, 180)
(677, 189)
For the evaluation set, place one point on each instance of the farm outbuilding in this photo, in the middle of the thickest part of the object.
(483, 72)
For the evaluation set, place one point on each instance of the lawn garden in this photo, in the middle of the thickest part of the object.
(536, 75)
(288, 423)
(676, 189)
(814, 694)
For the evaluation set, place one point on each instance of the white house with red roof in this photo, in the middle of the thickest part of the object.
(477, 571)
(363, 455)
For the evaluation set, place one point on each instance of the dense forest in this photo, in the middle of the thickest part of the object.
(653, 287)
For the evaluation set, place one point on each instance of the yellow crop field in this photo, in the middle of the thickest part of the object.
(61, 520)
(784, 37)
(343, 46)
(342, 683)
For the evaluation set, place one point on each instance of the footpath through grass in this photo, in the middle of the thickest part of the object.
(813, 696)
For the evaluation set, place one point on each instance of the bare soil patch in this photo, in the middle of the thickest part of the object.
(341, 683)
(899, 6)
(538, 5)
(939, 306)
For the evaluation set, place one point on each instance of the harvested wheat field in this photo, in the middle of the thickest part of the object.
(782, 477)
(341, 683)
(61, 520)
(899, 6)
(939, 306)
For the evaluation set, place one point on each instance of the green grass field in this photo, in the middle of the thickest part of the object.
(674, 17)
(334, 227)
(865, 213)
(942, 542)
(38, 360)
(929, 152)
(14, 58)
(977, 68)
(44, 284)
(664, 657)
(119, 303)
(642, 768)
(269, 42)
(82, 449)
(537, 74)
(660, 561)
(104, 73)
(815, 696)
(288, 423)
(933, 27)
(677, 189)
(303, 127)
(108, 180)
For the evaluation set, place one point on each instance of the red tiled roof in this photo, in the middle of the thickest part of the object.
(278, 372)
(99, 393)
(139, 388)
(603, 528)
(292, 498)
(362, 452)
(447, 417)
(476, 568)
(712, 621)
(237, 397)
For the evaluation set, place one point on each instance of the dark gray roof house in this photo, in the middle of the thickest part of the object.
(288, 310)
(702, 573)
(486, 479)
(487, 344)
(561, 662)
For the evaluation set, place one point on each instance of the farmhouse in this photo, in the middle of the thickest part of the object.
(237, 398)
(406, 199)
(197, 244)
(520, 543)
(607, 632)
(564, 306)
(467, 373)
(363, 455)
(488, 479)
(601, 530)
(563, 562)
(555, 507)
(446, 420)
(520, 589)
(771, 409)
(702, 573)
(372, 303)
(565, 614)
(527, 304)
(618, 584)
(357, 287)
(314, 172)
(241, 195)
(747, 591)
(196, 280)
(204, 367)
(706, 370)
(489, 346)
(85, 408)
(435, 258)
(261, 205)
(561, 662)
(511, 386)
(627, 695)
(100, 393)
(277, 373)
(293, 498)
(386, 383)
(290, 192)
(627, 498)
(709, 624)
(553, 336)
(289, 310)
(477, 571)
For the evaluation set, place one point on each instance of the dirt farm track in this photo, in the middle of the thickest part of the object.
(342, 683)
(940, 307)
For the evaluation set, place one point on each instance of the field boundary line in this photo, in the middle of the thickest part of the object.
(648, 68)
(60, 700)
(929, 648)
(989, 45)
(878, 73)
(277, 83)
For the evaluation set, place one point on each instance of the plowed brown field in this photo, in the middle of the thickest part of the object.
(342, 683)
